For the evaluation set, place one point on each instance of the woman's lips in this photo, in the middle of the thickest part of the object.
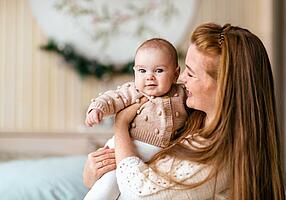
(189, 94)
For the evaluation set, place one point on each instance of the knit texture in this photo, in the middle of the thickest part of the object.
(157, 120)
(136, 180)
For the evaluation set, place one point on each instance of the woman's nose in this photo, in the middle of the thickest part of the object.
(182, 77)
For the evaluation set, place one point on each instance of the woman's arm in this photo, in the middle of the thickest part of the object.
(136, 180)
(123, 143)
(133, 175)
(103, 160)
(124, 146)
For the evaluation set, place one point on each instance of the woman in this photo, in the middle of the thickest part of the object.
(230, 148)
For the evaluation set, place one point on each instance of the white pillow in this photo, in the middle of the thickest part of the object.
(55, 178)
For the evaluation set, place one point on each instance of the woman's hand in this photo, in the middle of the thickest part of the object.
(98, 163)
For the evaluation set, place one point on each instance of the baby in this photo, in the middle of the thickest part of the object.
(157, 121)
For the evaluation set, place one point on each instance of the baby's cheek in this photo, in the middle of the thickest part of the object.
(137, 84)
(140, 86)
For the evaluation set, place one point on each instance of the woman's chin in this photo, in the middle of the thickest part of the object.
(190, 104)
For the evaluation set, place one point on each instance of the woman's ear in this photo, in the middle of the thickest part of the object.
(177, 73)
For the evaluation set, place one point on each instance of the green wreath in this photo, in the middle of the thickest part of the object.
(84, 66)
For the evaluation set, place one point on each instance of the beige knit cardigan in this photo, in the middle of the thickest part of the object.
(157, 121)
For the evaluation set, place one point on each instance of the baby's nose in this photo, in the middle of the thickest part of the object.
(150, 76)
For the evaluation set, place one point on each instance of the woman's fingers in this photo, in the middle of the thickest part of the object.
(97, 164)
(101, 151)
(105, 169)
(102, 157)
(105, 163)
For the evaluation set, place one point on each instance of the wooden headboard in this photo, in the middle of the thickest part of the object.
(53, 143)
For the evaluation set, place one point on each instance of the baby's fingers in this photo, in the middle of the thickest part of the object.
(88, 121)
(96, 118)
(100, 116)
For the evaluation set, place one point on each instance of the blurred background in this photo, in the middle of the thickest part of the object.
(48, 92)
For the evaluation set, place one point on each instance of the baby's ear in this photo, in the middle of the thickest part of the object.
(177, 73)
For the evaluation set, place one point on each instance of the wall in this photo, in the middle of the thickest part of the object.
(38, 92)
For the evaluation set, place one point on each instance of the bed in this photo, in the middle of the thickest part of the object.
(45, 166)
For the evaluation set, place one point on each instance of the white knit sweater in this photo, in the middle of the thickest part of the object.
(138, 181)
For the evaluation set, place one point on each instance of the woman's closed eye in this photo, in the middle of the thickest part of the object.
(190, 75)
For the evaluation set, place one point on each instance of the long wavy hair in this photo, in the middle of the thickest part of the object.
(244, 137)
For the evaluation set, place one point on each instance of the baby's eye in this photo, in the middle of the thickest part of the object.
(141, 70)
(190, 75)
(159, 70)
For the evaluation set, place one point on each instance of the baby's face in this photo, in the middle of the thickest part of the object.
(154, 71)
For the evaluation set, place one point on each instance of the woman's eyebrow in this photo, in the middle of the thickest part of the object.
(189, 68)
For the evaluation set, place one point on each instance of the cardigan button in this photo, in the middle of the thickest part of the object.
(146, 118)
(156, 131)
(177, 114)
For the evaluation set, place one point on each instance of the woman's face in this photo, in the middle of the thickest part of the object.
(201, 87)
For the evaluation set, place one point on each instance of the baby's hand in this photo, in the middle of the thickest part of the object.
(94, 117)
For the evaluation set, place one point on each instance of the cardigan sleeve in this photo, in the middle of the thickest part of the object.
(112, 101)
(136, 180)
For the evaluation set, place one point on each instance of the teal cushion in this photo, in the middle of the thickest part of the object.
(58, 178)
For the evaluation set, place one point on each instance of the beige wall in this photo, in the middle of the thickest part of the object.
(38, 92)
(255, 15)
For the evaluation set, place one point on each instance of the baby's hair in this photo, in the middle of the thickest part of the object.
(161, 44)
